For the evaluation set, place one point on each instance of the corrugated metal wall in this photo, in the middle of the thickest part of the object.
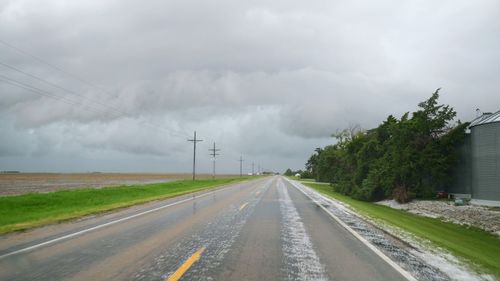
(461, 174)
(485, 151)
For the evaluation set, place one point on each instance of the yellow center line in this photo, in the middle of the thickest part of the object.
(243, 206)
(186, 265)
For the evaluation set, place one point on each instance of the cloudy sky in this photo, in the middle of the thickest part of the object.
(97, 85)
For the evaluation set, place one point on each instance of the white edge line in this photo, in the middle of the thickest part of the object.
(394, 265)
(27, 249)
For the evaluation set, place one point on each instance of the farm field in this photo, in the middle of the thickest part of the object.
(37, 209)
(21, 183)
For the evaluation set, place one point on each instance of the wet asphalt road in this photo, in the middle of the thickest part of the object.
(259, 230)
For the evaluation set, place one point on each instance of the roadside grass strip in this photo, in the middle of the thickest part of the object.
(37, 209)
(480, 248)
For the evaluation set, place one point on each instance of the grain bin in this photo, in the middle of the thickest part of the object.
(485, 159)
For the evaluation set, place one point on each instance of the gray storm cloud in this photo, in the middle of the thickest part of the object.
(271, 81)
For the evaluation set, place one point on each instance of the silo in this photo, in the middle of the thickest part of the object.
(461, 174)
(485, 159)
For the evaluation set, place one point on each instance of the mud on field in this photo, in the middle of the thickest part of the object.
(20, 183)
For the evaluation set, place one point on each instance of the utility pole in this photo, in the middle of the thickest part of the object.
(241, 165)
(253, 165)
(194, 140)
(213, 154)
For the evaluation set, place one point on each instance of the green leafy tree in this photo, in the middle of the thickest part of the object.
(403, 158)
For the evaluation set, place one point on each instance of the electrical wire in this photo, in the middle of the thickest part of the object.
(42, 92)
(84, 81)
(72, 102)
(112, 108)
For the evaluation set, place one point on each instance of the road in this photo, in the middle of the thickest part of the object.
(264, 229)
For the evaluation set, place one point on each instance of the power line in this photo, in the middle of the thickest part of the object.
(53, 67)
(84, 81)
(194, 140)
(112, 108)
(118, 113)
(213, 154)
(72, 102)
(59, 87)
(39, 91)
(241, 165)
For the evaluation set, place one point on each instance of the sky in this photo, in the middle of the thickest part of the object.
(120, 86)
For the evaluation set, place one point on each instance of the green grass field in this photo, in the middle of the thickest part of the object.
(479, 247)
(36, 209)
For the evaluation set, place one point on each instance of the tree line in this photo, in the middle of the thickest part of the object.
(401, 158)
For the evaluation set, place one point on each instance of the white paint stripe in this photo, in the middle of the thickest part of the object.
(394, 265)
(27, 249)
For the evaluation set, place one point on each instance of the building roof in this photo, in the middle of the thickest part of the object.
(485, 119)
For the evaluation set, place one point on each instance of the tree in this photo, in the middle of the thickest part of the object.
(312, 163)
(403, 158)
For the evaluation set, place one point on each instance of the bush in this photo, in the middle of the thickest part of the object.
(344, 187)
(306, 175)
(363, 194)
(401, 194)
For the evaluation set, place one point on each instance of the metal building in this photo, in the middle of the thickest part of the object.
(477, 175)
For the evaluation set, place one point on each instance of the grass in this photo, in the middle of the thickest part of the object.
(307, 180)
(300, 179)
(479, 247)
(36, 209)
